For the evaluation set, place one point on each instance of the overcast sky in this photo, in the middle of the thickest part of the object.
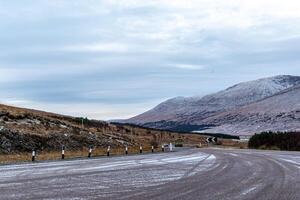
(117, 58)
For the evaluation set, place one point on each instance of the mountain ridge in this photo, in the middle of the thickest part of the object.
(192, 111)
(279, 112)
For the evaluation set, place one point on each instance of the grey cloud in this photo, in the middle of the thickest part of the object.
(49, 51)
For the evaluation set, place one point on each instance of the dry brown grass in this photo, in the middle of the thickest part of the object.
(38, 129)
(56, 155)
(22, 157)
(99, 151)
(234, 144)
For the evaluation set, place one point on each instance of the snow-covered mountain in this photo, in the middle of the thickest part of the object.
(185, 114)
(280, 112)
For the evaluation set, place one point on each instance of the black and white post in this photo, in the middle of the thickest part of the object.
(141, 149)
(152, 149)
(90, 152)
(63, 152)
(108, 150)
(33, 155)
(162, 148)
(126, 150)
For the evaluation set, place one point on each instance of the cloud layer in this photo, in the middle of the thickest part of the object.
(116, 58)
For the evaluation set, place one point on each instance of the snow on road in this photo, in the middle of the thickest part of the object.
(105, 174)
(100, 164)
(185, 174)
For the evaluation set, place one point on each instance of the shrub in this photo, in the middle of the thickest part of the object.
(179, 143)
(154, 143)
(276, 140)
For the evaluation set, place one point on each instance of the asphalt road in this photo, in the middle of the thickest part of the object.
(184, 174)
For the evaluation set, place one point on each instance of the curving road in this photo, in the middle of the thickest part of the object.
(184, 174)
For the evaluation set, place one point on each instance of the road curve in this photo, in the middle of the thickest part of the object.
(184, 174)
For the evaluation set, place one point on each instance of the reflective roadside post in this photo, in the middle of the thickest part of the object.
(171, 147)
(90, 152)
(108, 150)
(33, 155)
(63, 152)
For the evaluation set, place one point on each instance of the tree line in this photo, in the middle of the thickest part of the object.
(289, 141)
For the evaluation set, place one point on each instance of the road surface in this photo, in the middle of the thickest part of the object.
(184, 174)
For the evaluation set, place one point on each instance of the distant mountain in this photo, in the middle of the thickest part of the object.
(280, 112)
(188, 114)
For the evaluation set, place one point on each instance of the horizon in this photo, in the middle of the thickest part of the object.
(13, 105)
(116, 59)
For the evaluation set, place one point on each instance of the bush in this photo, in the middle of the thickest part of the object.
(179, 143)
(154, 143)
(289, 141)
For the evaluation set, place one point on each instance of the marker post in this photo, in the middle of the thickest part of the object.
(126, 150)
(108, 150)
(141, 149)
(90, 152)
(152, 149)
(63, 152)
(33, 155)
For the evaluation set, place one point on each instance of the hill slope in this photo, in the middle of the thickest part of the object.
(280, 112)
(21, 130)
(187, 114)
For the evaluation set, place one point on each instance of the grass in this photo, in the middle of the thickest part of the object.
(56, 155)
(233, 144)
(100, 151)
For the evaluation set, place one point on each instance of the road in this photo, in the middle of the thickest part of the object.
(184, 174)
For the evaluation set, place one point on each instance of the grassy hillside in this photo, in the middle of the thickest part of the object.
(21, 130)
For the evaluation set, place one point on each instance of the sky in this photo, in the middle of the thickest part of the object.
(113, 59)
